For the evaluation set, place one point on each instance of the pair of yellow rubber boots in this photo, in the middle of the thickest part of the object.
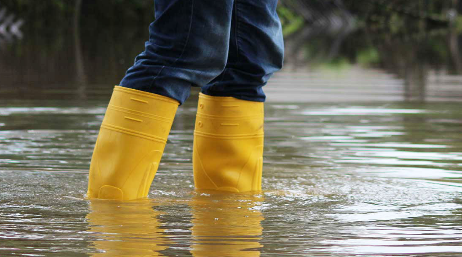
(228, 144)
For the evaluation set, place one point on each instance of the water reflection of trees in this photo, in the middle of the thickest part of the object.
(69, 61)
(97, 54)
(419, 57)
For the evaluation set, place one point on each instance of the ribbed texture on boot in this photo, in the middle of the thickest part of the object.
(228, 144)
(130, 144)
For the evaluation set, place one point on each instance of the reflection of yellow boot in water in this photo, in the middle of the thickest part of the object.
(226, 225)
(130, 144)
(125, 228)
(228, 144)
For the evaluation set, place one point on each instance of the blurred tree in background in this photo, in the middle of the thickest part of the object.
(46, 13)
(95, 41)
(315, 30)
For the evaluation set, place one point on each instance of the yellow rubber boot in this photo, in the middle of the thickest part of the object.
(130, 144)
(228, 144)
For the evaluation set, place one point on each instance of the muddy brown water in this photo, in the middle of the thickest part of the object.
(359, 161)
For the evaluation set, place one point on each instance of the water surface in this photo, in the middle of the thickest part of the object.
(373, 179)
(363, 157)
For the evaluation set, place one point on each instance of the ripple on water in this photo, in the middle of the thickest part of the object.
(338, 180)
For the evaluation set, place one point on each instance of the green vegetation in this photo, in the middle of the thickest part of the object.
(45, 14)
(294, 14)
(380, 11)
(102, 37)
(52, 23)
(368, 56)
(291, 22)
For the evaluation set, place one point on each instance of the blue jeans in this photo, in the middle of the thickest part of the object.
(226, 47)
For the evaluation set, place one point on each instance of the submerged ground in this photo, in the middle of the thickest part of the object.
(363, 156)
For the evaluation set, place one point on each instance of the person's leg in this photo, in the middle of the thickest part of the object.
(256, 51)
(228, 138)
(188, 46)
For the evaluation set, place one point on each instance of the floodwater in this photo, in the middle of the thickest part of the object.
(363, 156)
